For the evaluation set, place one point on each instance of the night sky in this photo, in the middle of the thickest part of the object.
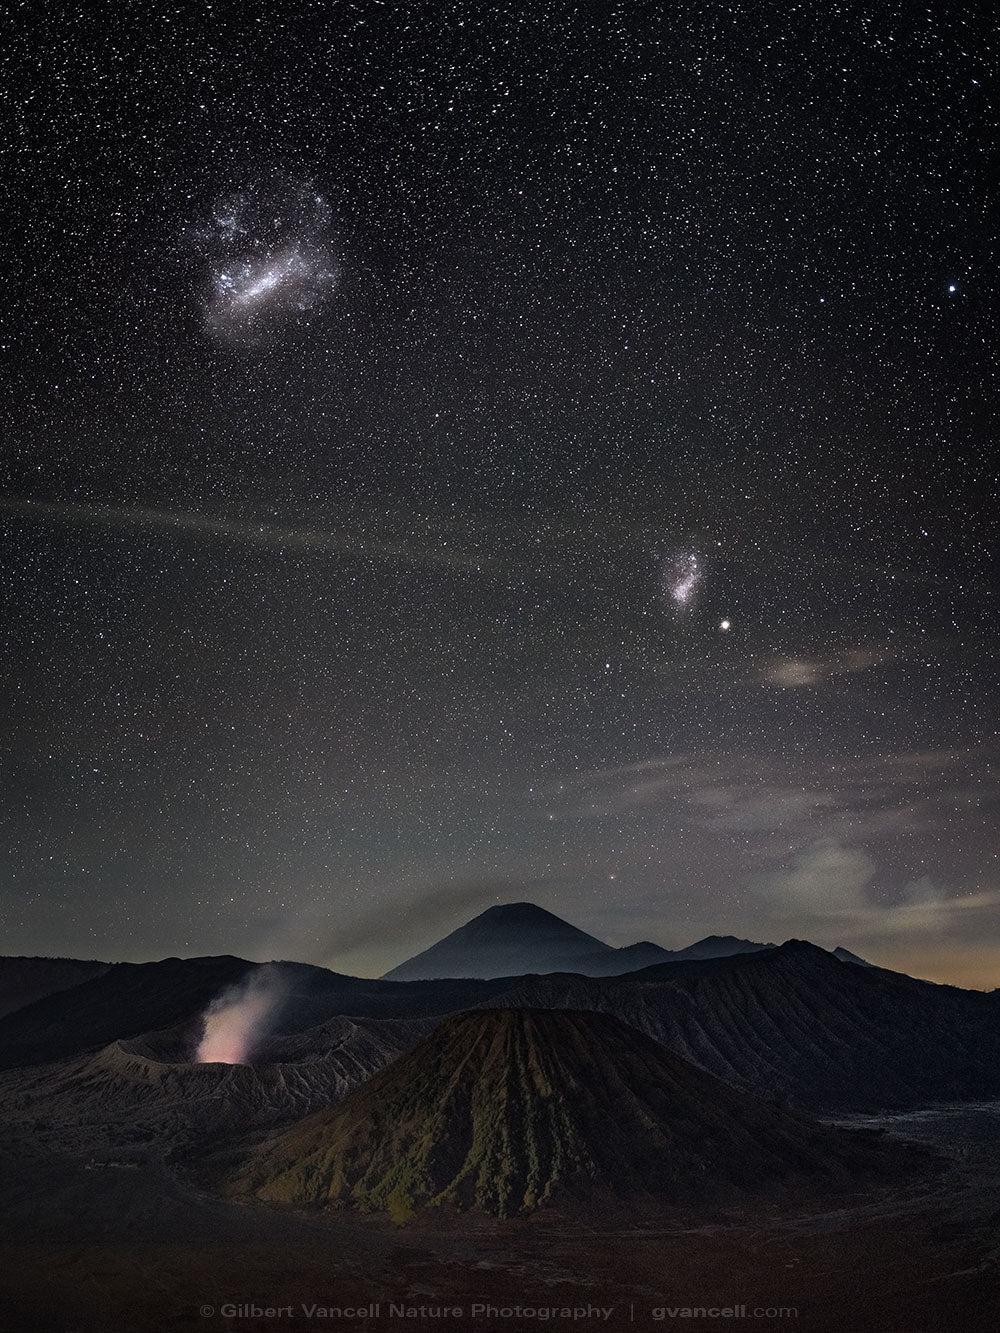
(455, 454)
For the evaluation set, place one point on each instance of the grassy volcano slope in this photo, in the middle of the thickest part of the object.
(501, 1110)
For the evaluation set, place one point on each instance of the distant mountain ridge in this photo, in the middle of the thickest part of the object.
(516, 938)
(720, 946)
(793, 1023)
(798, 1025)
(25, 980)
(133, 999)
(845, 956)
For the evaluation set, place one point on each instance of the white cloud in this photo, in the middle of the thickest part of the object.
(826, 880)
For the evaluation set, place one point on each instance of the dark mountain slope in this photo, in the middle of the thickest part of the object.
(126, 1000)
(791, 1023)
(507, 1110)
(797, 1025)
(616, 962)
(720, 946)
(25, 980)
(845, 956)
(132, 998)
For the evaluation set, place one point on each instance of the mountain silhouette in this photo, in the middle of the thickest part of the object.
(720, 946)
(504, 941)
(793, 1024)
(846, 956)
(25, 980)
(515, 938)
(130, 1000)
(797, 1025)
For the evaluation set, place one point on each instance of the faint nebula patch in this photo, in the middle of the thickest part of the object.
(267, 263)
(680, 576)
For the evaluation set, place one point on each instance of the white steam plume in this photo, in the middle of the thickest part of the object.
(237, 1020)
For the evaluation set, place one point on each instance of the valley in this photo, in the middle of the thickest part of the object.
(770, 1129)
(130, 1235)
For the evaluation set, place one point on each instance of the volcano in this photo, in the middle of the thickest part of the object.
(149, 1087)
(516, 938)
(504, 941)
(506, 1111)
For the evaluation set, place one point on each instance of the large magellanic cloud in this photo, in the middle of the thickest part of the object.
(268, 262)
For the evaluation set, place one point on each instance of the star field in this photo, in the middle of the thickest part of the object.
(454, 456)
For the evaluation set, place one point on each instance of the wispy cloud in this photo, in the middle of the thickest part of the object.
(869, 795)
(793, 672)
(831, 886)
(861, 851)
(249, 532)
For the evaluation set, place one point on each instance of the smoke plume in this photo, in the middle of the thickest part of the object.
(238, 1019)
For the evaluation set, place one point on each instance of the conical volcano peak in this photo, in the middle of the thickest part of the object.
(517, 913)
(510, 939)
(803, 948)
(505, 1111)
(524, 917)
(506, 940)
